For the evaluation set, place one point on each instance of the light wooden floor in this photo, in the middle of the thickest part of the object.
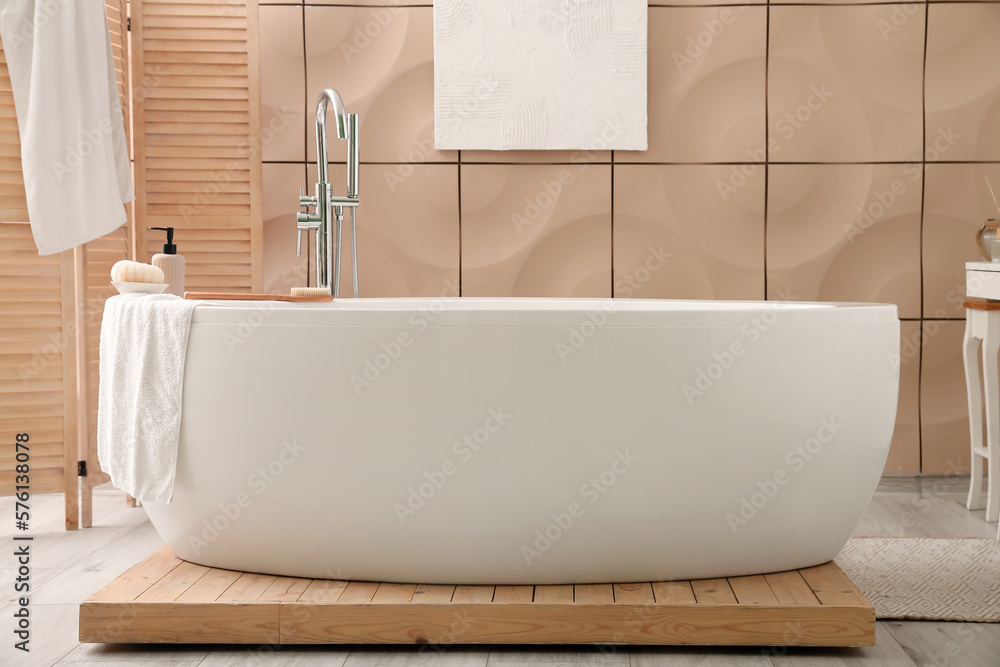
(67, 567)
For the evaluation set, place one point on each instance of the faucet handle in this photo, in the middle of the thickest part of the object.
(298, 241)
(305, 222)
(306, 200)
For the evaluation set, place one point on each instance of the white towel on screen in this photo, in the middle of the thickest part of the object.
(74, 154)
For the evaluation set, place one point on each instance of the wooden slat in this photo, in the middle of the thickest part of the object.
(850, 584)
(172, 586)
(508, 594)
(184, 44)
(196, 9)
(752, 590)
(633, 593)
(594, 594)
(673, 592)
(196, 151)
(394, 593)
(210, 587)
(188, 22)
(473, 594)
(432, 593)
(830, 585)
(712, 591)
(203, 210)
(247, 588)
(554, 594)
(285, 589)
(358, 592)
(323, 591)
(790, 588)
(137, 579)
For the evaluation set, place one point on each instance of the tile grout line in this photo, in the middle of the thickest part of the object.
(67, 654)
(310, 242)
(664, 164)
(767, 132)
(461, 281)
(790, 3)
(305, 94)
(923, 199)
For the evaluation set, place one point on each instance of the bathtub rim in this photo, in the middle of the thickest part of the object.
(541, 311)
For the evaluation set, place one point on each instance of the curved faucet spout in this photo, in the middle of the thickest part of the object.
(329, 95)
(329, 208)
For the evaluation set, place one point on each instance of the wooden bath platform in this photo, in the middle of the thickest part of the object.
(165, 599)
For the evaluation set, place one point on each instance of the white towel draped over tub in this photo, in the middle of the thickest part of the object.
(74, 154)
(143, 347)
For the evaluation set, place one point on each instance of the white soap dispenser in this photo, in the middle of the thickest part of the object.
(171, 263)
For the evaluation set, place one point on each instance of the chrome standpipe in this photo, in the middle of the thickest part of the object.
(330, 209)
(353, 164)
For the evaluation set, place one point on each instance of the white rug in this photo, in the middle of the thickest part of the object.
(927, 579)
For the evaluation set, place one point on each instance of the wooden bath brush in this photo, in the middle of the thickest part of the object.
(235, 296)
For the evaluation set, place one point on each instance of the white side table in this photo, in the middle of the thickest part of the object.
(982, 323)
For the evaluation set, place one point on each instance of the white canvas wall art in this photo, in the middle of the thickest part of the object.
(540, 74)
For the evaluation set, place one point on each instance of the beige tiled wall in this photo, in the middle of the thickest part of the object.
(834, 151)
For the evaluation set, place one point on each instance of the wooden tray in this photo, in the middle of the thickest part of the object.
(165, 599)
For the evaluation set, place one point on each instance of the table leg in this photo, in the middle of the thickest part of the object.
(991, 346)
(971, 357)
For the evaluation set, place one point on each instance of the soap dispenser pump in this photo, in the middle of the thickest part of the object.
(171, 263)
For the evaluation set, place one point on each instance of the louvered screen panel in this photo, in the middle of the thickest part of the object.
(197, 124)
(37, 392)
(36, 344)
(13, 207)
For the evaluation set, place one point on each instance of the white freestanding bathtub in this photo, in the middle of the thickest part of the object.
(529, 441)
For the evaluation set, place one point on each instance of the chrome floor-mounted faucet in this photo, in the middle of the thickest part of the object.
(328, 207)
